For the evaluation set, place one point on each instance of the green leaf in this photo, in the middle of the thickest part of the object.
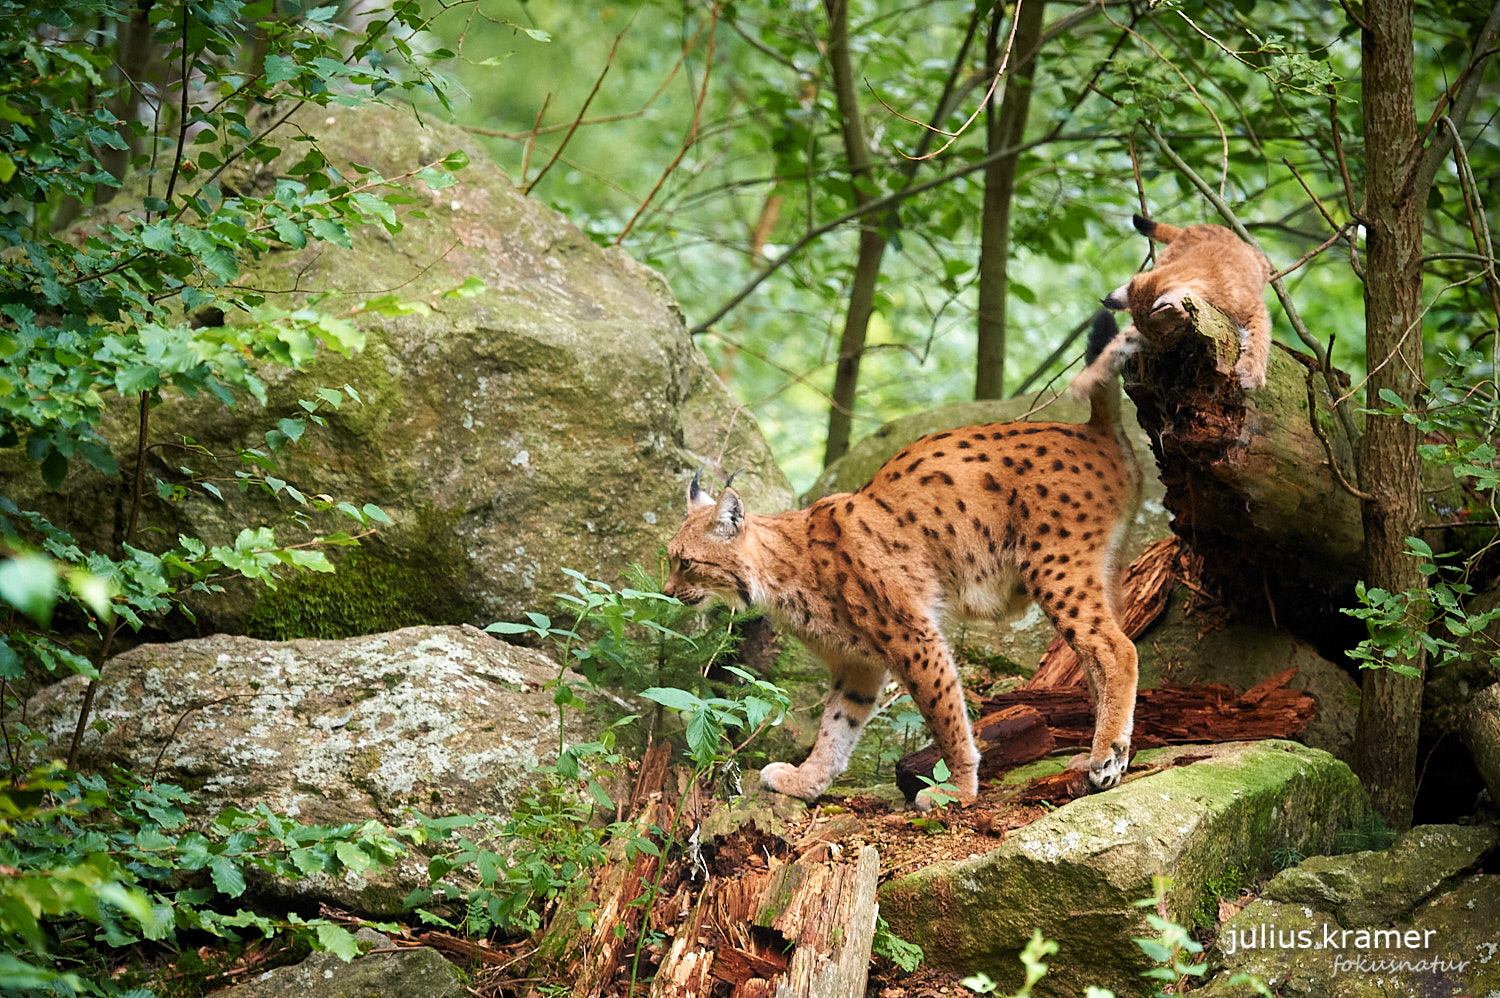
(226, 876)
(29, 583)
(670, 696)
(338, 941)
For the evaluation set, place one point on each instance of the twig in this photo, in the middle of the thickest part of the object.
(609, 61)
(1317, 428)
(692, 135)
(531, 136)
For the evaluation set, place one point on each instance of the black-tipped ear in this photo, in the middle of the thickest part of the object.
(730, 480)
(1143, 225)
(696, 497)
(729, 516)
(1104, 330)
(1118, 299)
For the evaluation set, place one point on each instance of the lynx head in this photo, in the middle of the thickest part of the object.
(707, 555)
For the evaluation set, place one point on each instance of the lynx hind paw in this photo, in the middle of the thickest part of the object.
(1108, 772)
(784, 778)
(1250, 377)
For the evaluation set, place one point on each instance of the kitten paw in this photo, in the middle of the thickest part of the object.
(1250, 380)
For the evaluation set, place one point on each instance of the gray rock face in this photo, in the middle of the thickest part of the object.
(446, 720)
(413, 973)
(1406, 921)
(1076, 873)
(1481, 734)
(552, 421)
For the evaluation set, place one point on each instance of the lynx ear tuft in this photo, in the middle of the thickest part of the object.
(696, 497)
(729, 516)
(730, 480)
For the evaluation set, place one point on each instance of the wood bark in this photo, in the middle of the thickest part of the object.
(1022, 726)
(1247, 476)
(871, 241)
(1390, 708)
(792, 930)
(1005, 130)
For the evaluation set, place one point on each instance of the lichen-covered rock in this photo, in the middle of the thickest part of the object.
(410, 973)
(552, 421)
(1481, 734)
(1021, 641)
(1076, 873)
(446, 720)
(1405, 922)
(1368, 888)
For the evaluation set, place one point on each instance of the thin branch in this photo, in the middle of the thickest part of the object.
(1317, 428)
(692, 135)
(608, 62)
(1459, 100)
(1053, 357)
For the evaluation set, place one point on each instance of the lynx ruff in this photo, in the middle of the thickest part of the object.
(975, 522)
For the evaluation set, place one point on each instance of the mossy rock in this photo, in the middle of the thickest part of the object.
(1076, 873)
(551, 421)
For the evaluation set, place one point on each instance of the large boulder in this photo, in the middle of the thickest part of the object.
(444, 720)
(551, 421)
(1076, 873)
(1406, 921)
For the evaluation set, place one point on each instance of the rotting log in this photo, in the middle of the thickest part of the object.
(793, 930)
(1169, 715)
(1247, 475)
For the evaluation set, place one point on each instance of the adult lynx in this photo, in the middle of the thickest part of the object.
(970, 521)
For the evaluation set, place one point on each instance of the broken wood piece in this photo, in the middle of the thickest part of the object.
(1167, 715)
(794, 930)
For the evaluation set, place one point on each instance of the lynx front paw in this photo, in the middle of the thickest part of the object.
(1107, 772)
(784, 778)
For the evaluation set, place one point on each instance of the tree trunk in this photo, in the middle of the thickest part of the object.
(1389, 469)
(1004, 130)
(871, 242)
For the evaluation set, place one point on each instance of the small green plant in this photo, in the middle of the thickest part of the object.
(93, 863)
(940, 793)
(1370, 834)
(908, 956)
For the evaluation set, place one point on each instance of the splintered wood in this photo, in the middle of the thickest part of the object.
(1144, 592)
(793, 929)
(1169, 715)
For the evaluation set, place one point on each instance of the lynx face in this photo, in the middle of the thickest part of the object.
(706, 557)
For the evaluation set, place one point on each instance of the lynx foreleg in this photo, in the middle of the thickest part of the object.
(856, 686)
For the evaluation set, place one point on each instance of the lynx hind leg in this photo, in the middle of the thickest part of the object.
(856, 685)
(1109, 661)
(1255, 351)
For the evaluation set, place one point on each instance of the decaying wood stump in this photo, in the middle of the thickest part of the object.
(1022, 726)
(793, 930)
(1247, 475)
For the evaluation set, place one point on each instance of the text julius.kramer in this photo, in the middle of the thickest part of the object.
(1265, 936)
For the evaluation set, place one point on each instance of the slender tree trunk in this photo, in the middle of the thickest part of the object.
(1004, 130)
(1388, 465)
(136, 47)
(871, 242)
